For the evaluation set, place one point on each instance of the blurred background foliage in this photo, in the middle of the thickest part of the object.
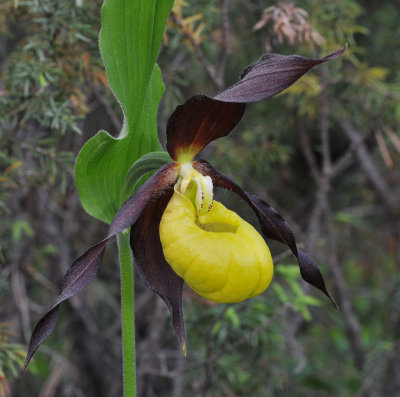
(325, 153)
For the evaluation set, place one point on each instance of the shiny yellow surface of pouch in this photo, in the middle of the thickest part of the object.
(219, 255)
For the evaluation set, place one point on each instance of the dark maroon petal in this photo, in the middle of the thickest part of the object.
(83, 269)
(271, 74)
(79, 275)
(199, 121)
(152, 267)
(42, 330)
(202, 119)
(272, 225)
(309, 272)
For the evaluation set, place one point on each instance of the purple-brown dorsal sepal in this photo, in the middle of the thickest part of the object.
(152, 267)
(83, 269)
(197, 122)
(202, 119)
(272, 225)
(271, 74)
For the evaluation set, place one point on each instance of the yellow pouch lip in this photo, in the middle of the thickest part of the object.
(222, 266)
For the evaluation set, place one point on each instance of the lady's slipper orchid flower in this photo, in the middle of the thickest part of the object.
(178, 231)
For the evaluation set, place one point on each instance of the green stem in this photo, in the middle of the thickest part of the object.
(127, 314)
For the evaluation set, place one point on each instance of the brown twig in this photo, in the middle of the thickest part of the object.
(377, 181)
(212, 73)
(216, 74)
(208, 341)
(164, 372)
(225, 44)
(322, 179)
(50, 154)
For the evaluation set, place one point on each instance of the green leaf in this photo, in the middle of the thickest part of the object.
(19, 228)
(280, 292)
(233, 317)
(130, 39)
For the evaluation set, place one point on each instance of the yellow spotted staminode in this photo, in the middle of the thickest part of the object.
(218, 254)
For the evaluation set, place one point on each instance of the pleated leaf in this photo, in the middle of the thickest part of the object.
(130, 39)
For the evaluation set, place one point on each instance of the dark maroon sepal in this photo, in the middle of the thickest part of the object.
(202, 119)
(83, 269)
(271, 74)
(272, 225)
(152, 267)
(199, 121)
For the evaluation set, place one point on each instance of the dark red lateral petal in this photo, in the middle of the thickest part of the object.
(199, 121)
(42, 330)
(271, 74)
(202, 119)
(79, 275)
(154, 187)
(310, 272)
(152, 267)
(272, 225)
(83, 269)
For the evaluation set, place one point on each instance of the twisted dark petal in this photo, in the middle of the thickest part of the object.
(271, 74)
(272, 225)
(152, 267)
(79, 275)
(199, 121)
(83, 269)
(309, 272)
(132, 208)
(42, 330)
(202, 119)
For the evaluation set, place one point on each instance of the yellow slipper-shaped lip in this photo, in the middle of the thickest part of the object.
(219, 255)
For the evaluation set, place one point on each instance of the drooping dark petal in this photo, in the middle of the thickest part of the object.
(152, 267)
(271, 74)
(132, 208)
(309, 272)
(199, 121)
(83, 269)
(42, 330)
(272, 225)
(79, 275)
(202, 119)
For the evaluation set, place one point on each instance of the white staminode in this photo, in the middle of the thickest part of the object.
(204, 187)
